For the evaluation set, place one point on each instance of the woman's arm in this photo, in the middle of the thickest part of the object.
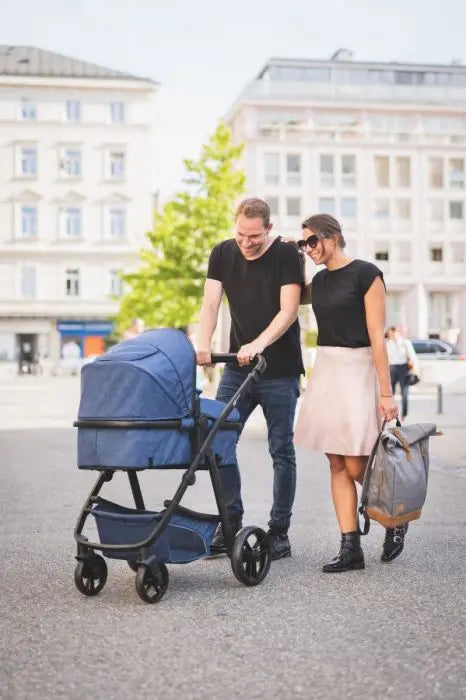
(374, 302)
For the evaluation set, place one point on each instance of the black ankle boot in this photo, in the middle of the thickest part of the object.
(350, 555)
(394, 542)
(218, 545)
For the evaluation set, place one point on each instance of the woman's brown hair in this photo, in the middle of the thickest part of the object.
(326, 224)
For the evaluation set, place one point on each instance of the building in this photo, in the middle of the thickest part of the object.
(382, 147)
(76, 197)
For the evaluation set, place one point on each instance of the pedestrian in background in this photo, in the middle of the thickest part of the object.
(349, 391)
(403, 364)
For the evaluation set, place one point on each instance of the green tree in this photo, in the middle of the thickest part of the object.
(167, 289)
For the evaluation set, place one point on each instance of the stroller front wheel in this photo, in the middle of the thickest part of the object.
(90, 575)
(151, 587)
(250, 559)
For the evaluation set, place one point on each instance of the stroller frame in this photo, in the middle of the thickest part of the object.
(152, 575)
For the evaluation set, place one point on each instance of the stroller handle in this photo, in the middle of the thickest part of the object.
(218, 357)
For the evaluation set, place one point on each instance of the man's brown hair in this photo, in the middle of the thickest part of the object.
(254, 208)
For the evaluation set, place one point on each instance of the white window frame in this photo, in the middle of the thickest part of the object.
(33, 222)
(111, 160)
(74, 291)
(275, 178)
(116, 110)
(294, 177)
(323, 209)
(28, 110)
(349, 179)
(114, 221)
(327, 177)
(22, 160)
(71, 226)
(352, 215)
(67, 162)
(115, 279)
(73, 110)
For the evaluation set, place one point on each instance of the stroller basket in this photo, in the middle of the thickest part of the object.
(185, 539)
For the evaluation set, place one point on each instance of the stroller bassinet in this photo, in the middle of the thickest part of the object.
(140, 410)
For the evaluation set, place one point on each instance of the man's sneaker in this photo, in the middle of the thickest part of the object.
(280, 546)
(218, 545)
(394, 542)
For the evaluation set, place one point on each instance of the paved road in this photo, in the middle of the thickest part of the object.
(390, 631)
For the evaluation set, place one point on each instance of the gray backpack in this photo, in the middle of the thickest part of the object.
(395, 482)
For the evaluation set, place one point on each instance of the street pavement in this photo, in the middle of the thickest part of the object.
(391, 631)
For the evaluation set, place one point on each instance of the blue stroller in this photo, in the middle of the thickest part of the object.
(140, 410)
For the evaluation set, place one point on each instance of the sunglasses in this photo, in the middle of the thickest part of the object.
(310, 242)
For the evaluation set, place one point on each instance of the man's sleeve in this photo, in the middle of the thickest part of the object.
(214, 271)
(291, 268)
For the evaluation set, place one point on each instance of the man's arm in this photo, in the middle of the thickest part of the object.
(213, 290)
(289, 303)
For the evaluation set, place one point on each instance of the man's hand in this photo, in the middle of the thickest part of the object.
(203, 357)
(247, 352)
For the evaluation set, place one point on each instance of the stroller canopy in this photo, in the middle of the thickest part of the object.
(150, 377)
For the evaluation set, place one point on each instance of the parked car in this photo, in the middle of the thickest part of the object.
(434, 347)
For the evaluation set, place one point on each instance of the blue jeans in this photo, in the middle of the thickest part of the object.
(399, 375)
(277, 398)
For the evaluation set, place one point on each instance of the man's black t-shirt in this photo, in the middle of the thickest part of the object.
(338, 304)
(252, 288)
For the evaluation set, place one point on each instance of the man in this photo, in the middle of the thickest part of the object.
(262, 279)
(403, 360)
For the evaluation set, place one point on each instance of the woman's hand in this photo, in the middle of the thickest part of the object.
(388, 407)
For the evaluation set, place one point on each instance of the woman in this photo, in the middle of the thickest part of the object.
(349, 391)
(403, 364)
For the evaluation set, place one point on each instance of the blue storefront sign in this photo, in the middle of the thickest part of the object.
(84, 328)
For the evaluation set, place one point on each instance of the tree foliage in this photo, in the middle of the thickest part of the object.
(167, 289)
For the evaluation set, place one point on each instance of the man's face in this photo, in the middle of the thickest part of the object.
(251, 235)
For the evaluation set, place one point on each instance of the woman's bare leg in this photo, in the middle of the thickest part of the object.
(344, 493)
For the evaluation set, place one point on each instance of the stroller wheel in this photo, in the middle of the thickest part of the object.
(250, 559)
(151, 588)
(132, 565)
(90, 575)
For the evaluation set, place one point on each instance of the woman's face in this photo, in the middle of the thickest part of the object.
(319, 250)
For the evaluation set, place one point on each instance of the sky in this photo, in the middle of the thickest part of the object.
(203, 52)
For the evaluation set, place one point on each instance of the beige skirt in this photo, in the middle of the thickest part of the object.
(339, 410)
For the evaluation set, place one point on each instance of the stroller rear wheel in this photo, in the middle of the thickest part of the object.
(90, 575)
(250, 559)
(151, 587)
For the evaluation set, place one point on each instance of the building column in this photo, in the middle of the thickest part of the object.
(416, 311)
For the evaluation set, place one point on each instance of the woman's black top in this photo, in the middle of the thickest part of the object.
(338, 304)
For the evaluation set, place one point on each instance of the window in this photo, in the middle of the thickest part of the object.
(403, 209)
(436, 210)
(272, 168)
(28, 165)
(72, 283)
(382, 208)
(436, 254)
(403, 171)
(456, 210)
(348, 171)
(293, 206)
(349, 207)
(382, 171)
(381, 254)
(70, 163)
(404, 251)
(71, 222)
(117, 222)
(293, 169)
(28, 281)
(327, 205)
(115, 283)
(404, 77)
(440, 307)
(117, 163)
(117, 112)
(458, 253)
(29, 221)
(73, 110)
(273, 204)
(436, 172)
(327, 171)
(456, 173)
(28, 110)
